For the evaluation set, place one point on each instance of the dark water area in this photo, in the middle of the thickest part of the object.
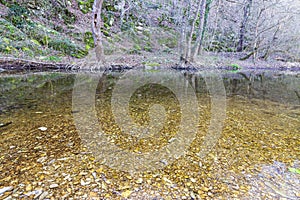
(150, 134)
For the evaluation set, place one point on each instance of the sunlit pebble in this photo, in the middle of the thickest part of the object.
(53, 186)
(42, 128)
(5, 189)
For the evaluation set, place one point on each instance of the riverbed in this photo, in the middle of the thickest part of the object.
(150, 134)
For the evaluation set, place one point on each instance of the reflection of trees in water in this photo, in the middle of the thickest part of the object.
(29, 90)
(273, 86)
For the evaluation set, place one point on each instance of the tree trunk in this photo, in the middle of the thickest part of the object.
(240, 46)
(184, 24)
(190, 38)
(215, 26)
(267, 52)
(200, 28)
(207, 9)
(96, 29)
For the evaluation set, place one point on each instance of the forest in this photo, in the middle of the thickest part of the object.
(152, 32)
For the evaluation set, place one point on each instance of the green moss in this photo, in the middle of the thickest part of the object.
(152, 64)
(27, 51)
(85, 6)
(10, 31)
(53, 58)
(88, 39)
(148, 46)
(6, 46)
(40, 33)
(136, 49)
(67, 47)
(108, 51)
(18, 15)
(170, 42)
(68, 17)
(235, 66)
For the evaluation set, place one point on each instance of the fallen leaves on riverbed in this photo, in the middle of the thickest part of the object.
(54, 163)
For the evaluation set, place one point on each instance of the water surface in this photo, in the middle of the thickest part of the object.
(256, 154)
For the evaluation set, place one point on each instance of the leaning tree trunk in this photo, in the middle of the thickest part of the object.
(96, 29)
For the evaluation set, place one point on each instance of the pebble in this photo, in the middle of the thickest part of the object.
(6, 189)
(139, 181)
(42, 128)
(83, 183)
(28, 188)
(193, 180)
(43, 195)
(37, 193)
(93, 194)
(126, 193)
(205, 189)
(8, 198)
(53, 186)
(193, 195)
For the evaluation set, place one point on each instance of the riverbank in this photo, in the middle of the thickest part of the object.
(227, 61)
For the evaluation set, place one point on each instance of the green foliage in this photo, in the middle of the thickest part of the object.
(170, 42)
(128, 26)
(10, 31)
(235, 66)
(148, 46)
(68, 17)
(53, 58)
(108, 51)
(151, 64)
(136, 49)
(85, 6)
(18, 15)
(164, 20)
(67, 47)
(294, 170)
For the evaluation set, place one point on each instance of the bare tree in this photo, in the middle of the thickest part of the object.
(188, 48)
(96, 29)
(190, 37)
(200, 28)
(246, 9)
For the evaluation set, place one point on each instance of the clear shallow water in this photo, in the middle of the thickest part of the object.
(209, 135)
